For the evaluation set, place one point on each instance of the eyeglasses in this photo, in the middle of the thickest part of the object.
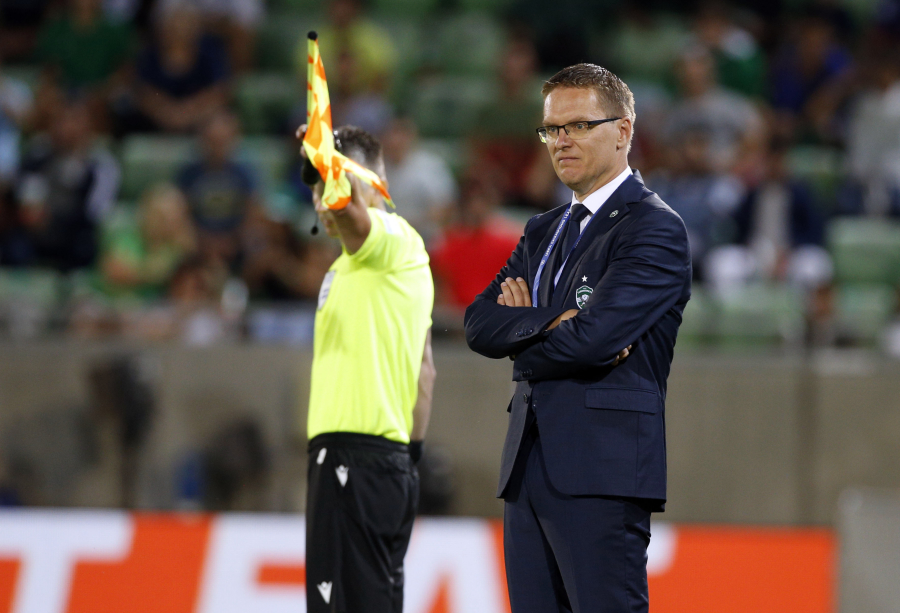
(575, 130)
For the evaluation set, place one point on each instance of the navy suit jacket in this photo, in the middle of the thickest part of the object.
(602, 427)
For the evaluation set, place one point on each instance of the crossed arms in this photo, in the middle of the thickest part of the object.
(646, 276)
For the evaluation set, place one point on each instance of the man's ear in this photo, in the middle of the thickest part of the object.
(624, 133)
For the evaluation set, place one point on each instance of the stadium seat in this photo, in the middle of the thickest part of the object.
(36, 287)
(696, 322)
(269, 156)
(407, 36)
(862, 311)
(29, 299)
(452, 150)
(28, 74)
(404, 8)
(265, 101)
(865, 250)
(295, 7)
(147, 160)
(469, 44)
(758, 315)
(276, 42)
(494, 7)
(448, 107)
(821, 168)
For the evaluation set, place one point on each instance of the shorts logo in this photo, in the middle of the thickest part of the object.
(342, 473)
(582, 294)
(325, 590)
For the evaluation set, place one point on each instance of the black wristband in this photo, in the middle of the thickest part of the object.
(415, 450)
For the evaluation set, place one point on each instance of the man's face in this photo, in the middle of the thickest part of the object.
(580, 164)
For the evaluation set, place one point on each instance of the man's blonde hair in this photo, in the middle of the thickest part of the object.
(613, 94)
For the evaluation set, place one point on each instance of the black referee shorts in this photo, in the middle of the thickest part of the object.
(362, 499)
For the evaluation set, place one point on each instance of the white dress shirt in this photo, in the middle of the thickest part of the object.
(597, 199)
(593, 203)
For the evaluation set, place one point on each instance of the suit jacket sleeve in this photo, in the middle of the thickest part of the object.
(645, 278)
(499, 331)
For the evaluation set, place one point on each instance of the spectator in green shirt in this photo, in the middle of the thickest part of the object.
(82, 48)
(143, 254)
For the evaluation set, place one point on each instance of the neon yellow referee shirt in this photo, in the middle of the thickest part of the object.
(373, 314)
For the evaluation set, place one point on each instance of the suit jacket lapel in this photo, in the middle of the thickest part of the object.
(611, 213)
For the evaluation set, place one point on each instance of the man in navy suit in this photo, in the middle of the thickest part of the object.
(588, 307)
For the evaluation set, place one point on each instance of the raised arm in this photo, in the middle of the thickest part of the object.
(352, 222)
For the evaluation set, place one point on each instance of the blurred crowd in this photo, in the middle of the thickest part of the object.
(764, 125)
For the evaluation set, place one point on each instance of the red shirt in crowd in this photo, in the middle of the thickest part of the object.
(466, 259)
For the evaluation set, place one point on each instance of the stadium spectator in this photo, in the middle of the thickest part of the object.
(15, 108)
(66, 186)
(15, 247)
(20, 22)
(780, 234)
(468, 254)
(420, 182)
(740, 63)
(731, 124)
(873, 144)
(143, 256)
(502, 138)
(195, 292)
(277, 264)
(561, 34)
(360, 57)
(220, 189)
(233, 21)
(703, 196)
(84, 50)
(183, 75)
(808, 77)
(644, 44)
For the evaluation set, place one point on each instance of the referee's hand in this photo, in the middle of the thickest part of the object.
(301, 134)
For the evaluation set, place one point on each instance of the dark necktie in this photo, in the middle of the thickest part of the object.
(572, 231)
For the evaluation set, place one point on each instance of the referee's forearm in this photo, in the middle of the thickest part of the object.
(427, 375)
(353, 227)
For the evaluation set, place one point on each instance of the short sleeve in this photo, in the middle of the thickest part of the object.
(387, 243)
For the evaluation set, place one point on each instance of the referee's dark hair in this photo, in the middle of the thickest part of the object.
(357, 144)
(360, 146)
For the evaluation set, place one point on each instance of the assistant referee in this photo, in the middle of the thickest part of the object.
(372, 378)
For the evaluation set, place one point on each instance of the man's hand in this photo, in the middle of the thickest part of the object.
(515, 293)
(622, 355)
(567, 315)
(301, 134)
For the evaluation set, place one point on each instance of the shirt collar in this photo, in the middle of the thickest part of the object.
(598, 198)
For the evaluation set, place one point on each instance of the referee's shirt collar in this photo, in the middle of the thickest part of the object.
(597, 199)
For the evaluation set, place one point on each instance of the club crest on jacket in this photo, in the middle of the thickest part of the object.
(582, 294)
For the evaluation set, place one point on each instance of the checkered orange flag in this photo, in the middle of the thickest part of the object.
(319, 139)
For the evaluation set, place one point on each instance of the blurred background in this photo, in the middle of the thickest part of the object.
(158, 277)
